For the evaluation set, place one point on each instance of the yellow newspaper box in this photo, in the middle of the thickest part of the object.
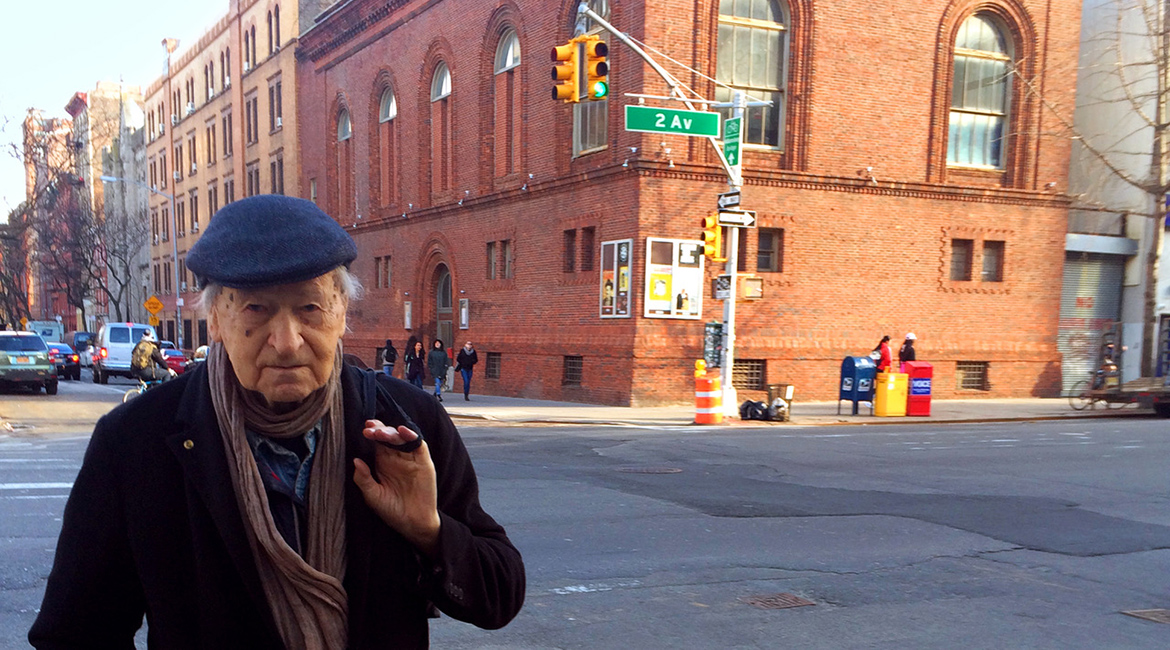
(889, 394)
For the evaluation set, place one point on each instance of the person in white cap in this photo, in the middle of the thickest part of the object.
(906, 353)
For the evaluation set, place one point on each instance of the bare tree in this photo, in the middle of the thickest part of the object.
(67, 239)
(13, 270)
(1121, 129)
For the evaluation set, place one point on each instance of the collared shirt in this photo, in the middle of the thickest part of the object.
(285, 466)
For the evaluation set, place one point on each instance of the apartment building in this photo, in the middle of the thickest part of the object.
(220, 127)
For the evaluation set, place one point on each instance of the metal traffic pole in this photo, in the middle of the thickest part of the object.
(734, 180)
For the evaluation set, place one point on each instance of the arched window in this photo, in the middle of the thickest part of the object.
(508, 52)
(443, 293)
(387, 106)
(344, 165)
(441, 129)
(387, 145)
(507, 105)
(980, 95)
(270, 33)
(753, 57)
(276, 24)
(440, 83)
(591, 118)
(247, 50)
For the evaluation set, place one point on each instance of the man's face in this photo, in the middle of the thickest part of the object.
(281, 340)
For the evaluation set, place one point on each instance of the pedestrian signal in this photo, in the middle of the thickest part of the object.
(713, 239)
(565, 73)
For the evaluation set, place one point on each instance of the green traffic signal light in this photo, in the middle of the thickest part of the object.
(599, 90)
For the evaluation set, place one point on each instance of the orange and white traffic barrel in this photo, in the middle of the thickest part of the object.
(708, 401)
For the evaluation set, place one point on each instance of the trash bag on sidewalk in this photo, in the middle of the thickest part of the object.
(752, 410)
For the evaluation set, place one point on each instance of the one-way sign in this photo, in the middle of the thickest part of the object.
(737, 218)
(728, 200)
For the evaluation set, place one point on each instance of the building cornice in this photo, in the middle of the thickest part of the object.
(711, 174)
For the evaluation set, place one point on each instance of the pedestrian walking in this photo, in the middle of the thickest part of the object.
(884, 356)
(465, 362)
(415, 360)
(275, 496)
(906, 353)
(389, 357)
(437, 364)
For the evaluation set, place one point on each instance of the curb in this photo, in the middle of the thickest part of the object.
(799, 423)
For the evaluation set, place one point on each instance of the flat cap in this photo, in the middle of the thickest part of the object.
(269, 239)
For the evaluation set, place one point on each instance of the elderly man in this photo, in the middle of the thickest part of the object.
(275, 497)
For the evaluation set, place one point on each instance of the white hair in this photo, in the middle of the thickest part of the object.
(343, 279)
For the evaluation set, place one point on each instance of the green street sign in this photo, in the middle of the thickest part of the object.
(669, 120)
(732, 138)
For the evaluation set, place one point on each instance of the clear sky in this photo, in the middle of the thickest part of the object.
(50, 50)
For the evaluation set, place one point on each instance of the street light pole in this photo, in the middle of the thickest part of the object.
(174, 249)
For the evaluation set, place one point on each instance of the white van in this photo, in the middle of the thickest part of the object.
(112, 349)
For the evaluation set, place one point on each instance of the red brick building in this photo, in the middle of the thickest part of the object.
(905, 180)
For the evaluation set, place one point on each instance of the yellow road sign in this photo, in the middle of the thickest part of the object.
(153, 322)
(153, 305)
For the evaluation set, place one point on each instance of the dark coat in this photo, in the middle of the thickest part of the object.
(465, 361)
(415, 365)
(152, 525)
(906, 353)
(437, 363)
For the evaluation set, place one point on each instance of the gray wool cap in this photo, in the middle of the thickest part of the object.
(269, 239)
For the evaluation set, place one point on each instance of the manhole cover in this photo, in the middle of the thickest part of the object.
(776, 601)
(649, 470)
(1155, 615)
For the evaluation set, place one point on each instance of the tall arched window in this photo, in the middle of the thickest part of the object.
(270, 35)
(387, 111)
(441, 129)
(753, 57)
(591, 118)
(507, 105)
(247, 50)
(276, 24)
(343, 167)
(979, 97)
(443, 308)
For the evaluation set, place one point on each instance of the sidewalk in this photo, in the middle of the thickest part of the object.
(512, 410)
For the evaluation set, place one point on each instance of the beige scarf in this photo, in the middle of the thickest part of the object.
(306, 596)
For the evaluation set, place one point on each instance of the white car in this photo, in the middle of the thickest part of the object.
(112, 349)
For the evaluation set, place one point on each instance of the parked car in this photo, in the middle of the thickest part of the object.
(66, 359)
(24, 360)
(176, 360)
(114, 344)
(81, 343)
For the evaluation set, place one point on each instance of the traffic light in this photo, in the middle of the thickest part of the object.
(713, 239)
(594, 80)
(565, 73)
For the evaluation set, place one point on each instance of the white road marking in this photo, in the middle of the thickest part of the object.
(36, 486)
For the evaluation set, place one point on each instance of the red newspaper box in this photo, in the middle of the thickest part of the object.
(918, 397)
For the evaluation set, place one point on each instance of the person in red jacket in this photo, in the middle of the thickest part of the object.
(885, 357)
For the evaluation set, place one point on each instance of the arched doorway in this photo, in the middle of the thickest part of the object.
(443, 309)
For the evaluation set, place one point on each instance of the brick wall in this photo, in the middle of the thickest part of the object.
(865, 254)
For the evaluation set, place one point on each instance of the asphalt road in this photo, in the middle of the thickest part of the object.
(1027, 535)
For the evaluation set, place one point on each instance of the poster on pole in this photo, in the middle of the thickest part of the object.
(674, 278)
(616, 260)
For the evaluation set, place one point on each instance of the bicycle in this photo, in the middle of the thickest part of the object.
(1082, 396)
(142, 387)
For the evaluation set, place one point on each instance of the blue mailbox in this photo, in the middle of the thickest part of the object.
(857, 377)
